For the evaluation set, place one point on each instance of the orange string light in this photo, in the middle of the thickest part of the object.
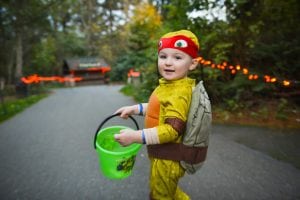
(245, 71)
(273, 80)
(286, 83)
(34, 78)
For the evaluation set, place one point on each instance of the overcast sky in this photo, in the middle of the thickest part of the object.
(218, 12)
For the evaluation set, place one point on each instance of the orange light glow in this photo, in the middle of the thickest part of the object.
(132, 73)
(267, 78)
(253, 77)
(208, 62)
(235, 69)
(245, 71)
(286, 83)
(199, 59)
(36, 79)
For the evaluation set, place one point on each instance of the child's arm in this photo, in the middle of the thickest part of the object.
(138, 109)
(127, 137)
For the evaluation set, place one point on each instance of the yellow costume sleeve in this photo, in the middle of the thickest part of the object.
(174, 104)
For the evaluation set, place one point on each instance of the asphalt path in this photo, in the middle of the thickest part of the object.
(46, 152)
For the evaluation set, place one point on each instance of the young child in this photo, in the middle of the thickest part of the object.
(166, 113)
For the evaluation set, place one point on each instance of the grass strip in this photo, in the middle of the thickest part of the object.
(10, 108)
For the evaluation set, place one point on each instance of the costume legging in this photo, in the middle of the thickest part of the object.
(164, 178)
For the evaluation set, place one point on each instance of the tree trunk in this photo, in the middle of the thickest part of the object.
(19, 57)
(10, 67)
(86, 19)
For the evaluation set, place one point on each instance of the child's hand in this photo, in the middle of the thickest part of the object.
(127, 110)
(127, 137)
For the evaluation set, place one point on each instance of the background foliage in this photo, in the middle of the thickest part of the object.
(262, 35)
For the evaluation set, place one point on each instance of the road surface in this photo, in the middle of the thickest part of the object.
(46, 152)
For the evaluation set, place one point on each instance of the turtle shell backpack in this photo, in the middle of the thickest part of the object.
(198, 129)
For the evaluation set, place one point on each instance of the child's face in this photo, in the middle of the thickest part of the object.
(174, 64)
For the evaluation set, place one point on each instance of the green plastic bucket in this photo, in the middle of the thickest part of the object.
(116, 161)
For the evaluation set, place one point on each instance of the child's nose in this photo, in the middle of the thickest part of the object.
(168, 61)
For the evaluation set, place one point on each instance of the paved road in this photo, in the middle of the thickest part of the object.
(46, 153)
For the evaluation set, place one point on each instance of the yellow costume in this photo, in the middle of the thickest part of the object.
(170, 100)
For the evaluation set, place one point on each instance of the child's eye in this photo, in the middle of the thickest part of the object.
(162, 56)
(177, 57)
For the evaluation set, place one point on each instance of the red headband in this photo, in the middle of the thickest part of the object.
(181, 43)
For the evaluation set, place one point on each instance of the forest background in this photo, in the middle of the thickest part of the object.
(250, 49)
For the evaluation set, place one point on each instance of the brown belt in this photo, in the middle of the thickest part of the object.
(177, 151)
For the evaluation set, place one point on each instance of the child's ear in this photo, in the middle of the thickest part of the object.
(194, 64)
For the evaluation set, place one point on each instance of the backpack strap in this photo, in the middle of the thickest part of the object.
(177, 152)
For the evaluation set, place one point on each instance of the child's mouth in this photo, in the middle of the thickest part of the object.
(169, 70)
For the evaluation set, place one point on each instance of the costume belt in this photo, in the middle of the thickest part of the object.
(177, 151)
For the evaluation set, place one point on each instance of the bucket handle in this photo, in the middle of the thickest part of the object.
(108, 118)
